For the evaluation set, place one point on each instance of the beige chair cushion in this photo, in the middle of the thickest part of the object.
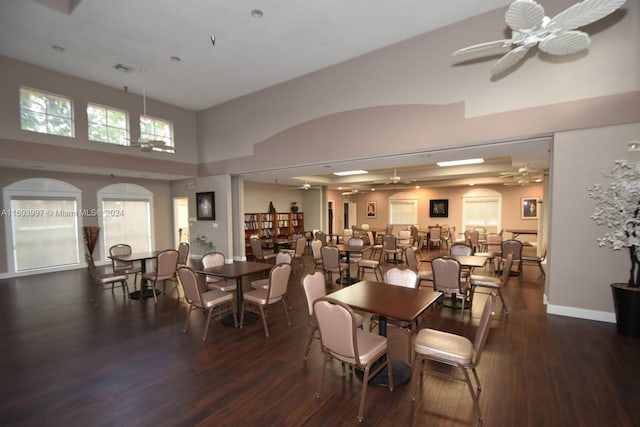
(259, 296)
(486, 281)
(260, 284)
(215, 297)
(444, 346)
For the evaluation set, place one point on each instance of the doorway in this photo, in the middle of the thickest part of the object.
(181, 220)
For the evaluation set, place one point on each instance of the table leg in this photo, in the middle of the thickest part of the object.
(400, 369)
(249, 317)
(145, 291)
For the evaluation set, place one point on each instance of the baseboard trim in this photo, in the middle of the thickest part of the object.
(581, 313)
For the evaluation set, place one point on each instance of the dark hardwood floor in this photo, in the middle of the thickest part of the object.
(125, 363)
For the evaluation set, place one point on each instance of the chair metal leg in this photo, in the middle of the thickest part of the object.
(311, 336)
(363, 394)
(264, 320)
(185, 329)
(418, 366)
(321, 382)
(286, 311)
(206, 326)
(474, 396)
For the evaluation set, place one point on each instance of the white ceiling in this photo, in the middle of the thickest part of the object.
(293, 38)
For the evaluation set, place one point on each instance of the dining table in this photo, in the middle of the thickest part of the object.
(348, 249)
(388, 302)
(142, 257)
(237, 270)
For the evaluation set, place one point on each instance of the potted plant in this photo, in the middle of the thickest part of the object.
(618, 208)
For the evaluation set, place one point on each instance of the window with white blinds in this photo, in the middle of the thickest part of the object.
(482, 211)
(403, 211)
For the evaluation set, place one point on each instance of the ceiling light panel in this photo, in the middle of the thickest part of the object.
(461, 162)
(353, 172)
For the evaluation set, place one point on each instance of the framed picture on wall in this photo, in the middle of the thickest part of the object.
(205, 206)
(372, 210)
(439, 208)
(529, 208)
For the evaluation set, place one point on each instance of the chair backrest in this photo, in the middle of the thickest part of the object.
(404, 236)
(337, 325)
(322, 236)
(434, 233)
(401, 277)
(460, 249)
(330, 258)
(506, 269)
(412, 261)
(483, 329)
(370, 237)
(494, 242)
(414, 231)
(189, 281)
(120, 249)
(444, 231)
(471, 238)
(278, 280)
(356, 241)
(389, 242)
(446, 274)
(212, 259)
(283, 257)
(347, 232)
(315, 249)
(314, 288)
(256, 248)
(301, 244)
(183, 253)
(364, 227)
(167, 262)
(513, 246)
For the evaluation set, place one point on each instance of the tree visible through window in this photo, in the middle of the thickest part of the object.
(154, 129)
(108, 125)
(45, 113)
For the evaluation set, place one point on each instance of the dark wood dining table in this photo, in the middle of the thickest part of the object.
(348, 250)
(388, 301)
(237, 270)
(142, 257)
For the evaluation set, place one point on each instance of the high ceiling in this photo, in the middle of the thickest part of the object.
(292, 38)
(89, 38)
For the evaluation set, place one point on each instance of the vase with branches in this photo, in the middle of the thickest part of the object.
(618, 208)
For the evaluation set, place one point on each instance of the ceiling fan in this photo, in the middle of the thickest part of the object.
(306, 186)
(147, 145)
(555, 36)
(395, 179)
(521, 181)
(524, 171)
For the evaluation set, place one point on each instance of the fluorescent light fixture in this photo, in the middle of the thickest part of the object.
(354, 172)
(460, 162)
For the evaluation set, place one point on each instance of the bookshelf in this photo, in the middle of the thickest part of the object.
(268, 226)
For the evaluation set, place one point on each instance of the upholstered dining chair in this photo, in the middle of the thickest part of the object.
(127, 267)
(534, 259)
(331, 262)
(455, 350)
(372, 264)
(409, 279)
(434, 238)
(215, 259)
(166, 265)
(447, 279)
(515, 247)
(105, 278)
(471, 238)
(183, 254)
(375, 246)
(390, 247)
(317, 255)
(413, 264)
(274, 293)
(212, 302)
(314, 287)
(258, 253)
(494, 283)
(297, 253)
(342, 340)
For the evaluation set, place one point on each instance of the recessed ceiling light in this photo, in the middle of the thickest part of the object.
(460, 162)
(417, 187)
(633, 146)
(471, 185)
(257, 13)
(373, 189)
(353, 172)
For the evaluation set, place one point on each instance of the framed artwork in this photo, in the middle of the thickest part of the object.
(529, 208)
(439, 208)
(372, 210)
(205, 206)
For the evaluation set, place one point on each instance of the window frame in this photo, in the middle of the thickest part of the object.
(155, 136)
(107, 125)
(47, 115)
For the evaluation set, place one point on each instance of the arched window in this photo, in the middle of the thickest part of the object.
(41, 224)
(127, 212)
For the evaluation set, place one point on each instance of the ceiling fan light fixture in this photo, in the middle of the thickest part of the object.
(462, 162)
(352, 172)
